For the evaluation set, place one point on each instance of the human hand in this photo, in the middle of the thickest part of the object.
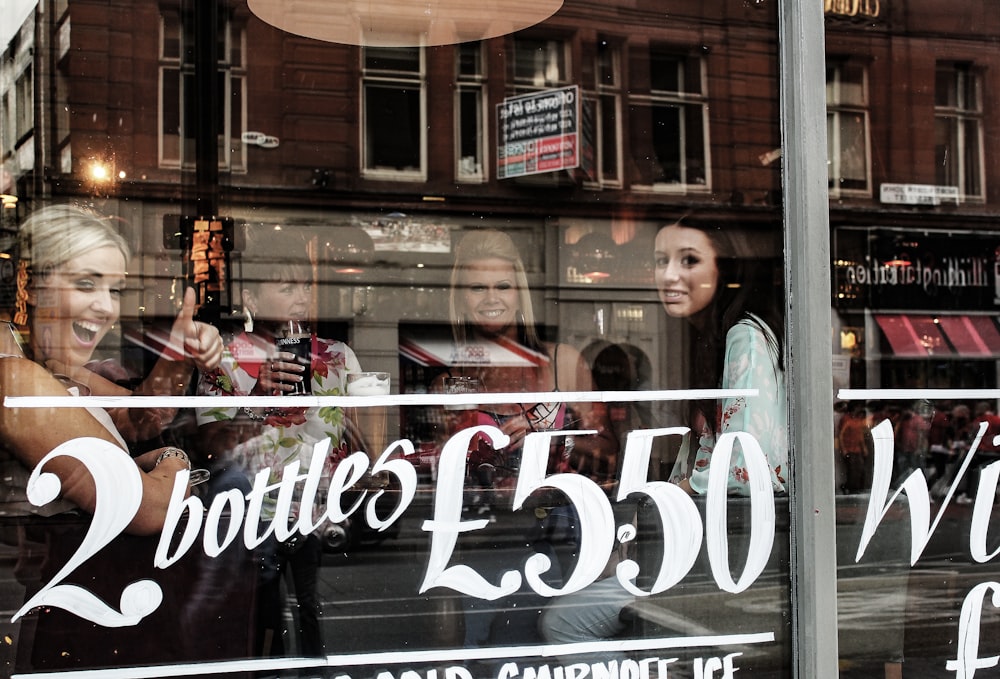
(278, 375)
(201, 342)
(517, 427)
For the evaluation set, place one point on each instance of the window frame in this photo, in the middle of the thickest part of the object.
(555, 48)
(24, 108)
(232, 150)
(607, 92)
(683, 99)
(393, 79)
(960, 115)
(473, 86)
(836, 108)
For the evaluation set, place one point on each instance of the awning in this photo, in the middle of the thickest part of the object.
(915, 335)
(444, 352)
(972, 335)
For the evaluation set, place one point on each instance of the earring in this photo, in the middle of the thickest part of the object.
(247, 319)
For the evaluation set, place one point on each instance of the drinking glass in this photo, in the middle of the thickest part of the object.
(296, 338)
(371, 420)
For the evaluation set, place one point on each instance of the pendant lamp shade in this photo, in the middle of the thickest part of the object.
(402, 23)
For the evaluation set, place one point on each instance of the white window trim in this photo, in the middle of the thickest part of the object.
(615, 92)
(417, 79)
(466, 83)
(227, 134)
(836, 110)
(961, 116)
(482, 175)
(524, 86)
(681, 99)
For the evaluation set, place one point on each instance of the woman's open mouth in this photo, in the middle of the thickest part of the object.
(85, 331)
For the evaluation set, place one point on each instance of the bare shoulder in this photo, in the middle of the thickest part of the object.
(20, 376)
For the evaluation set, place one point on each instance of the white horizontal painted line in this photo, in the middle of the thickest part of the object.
(917, 394)
(369, 401)
(407, 657)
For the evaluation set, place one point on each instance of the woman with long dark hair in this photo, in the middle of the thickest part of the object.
(729, 303)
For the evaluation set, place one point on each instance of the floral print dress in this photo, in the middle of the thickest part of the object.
(751, 363)
(288, 434)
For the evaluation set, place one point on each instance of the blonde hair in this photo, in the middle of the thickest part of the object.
(53, 235)
(487, 244)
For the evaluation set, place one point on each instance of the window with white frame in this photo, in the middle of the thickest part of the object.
(178, 112)
(24, 109)
(7, 138)
(847, 127)
(393, 113)
(668, 123)
(470, 105)
(538, 63)
(608, 113)
(958, 125)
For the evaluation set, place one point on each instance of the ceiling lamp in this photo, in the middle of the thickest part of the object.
(595, 256)
(402, 23)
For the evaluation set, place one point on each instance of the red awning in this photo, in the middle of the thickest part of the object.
(912, 335)
(972, 336)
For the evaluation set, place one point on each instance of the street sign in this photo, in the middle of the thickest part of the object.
(917, 194)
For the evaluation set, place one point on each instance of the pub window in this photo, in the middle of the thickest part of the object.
(958, 124)
(669, 124)
(393, 116)
(538, 64)
(470, 104)
(847, 128)
(24, 110)
(177, 94)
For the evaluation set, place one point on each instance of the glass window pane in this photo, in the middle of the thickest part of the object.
(443, 422)
(392, 118)
(392, 59)
(915, 344)
(470, 59)
(609, 137)
(666, 73)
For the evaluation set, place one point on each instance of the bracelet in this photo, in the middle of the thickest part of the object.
(268, 412)
(174, 452)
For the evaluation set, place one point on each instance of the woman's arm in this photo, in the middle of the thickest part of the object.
(750, 363)
(193, 346)
(31, 433)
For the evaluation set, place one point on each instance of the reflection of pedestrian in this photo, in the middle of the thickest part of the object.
(911, 441)
(938, 442)
(986, 452)
(852, 441)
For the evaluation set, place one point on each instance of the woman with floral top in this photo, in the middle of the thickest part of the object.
(255, 439)
(729, 303)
